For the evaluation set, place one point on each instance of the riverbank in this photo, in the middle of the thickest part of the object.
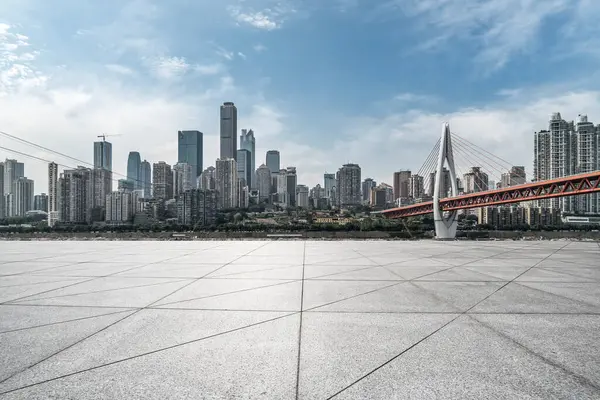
(315, 235)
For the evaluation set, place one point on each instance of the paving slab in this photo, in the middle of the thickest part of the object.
(299, 319)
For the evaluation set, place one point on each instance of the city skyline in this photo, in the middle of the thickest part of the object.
(122, 68)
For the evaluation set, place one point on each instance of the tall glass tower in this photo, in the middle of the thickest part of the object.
(228, 132)
(189, 150)
(134, 163)
(103, 155)
(248, 142)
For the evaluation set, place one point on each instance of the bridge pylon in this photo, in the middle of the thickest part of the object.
(445, 225)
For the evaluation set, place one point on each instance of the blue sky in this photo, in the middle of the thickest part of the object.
(324, 81)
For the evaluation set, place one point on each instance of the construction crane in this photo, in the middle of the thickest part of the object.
(104, 136)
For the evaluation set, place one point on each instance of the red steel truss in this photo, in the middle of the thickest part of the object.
(561, 187)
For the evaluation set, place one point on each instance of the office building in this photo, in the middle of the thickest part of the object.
(273, 161)
(248, 142)
(126, 185)
(302, 196)
(146, 179)
(228, 131)
(189, 151)
(103, 155)
(292, 182)
(162, 181)
(244, 166)
(282, 187)
(134, 166)
(227, 183)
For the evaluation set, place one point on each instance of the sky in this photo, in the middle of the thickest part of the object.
(325, 82)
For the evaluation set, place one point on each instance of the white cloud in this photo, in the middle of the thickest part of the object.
(210, 69)
(414, 98)
(241, 55)
(222, 52)
(169, 67)
(268, 18)
(259, 48)
(501, 29)
(120, 69)
(16, 69)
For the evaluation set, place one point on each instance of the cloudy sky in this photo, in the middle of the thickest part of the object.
(324, 81)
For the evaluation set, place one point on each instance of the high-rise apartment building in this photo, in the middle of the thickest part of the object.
(13, 170)
(227, 183)
(2, 206)
(416, 188)
(401, 184)
(134, 166)
(273, 161)
(244, 166)
(328, 184)
(348, 185)
(228, 131)
(75, 195)
(516, 176)
(189, 151)
(146, 179)
(248, 142)
(197, 207)
(52, 187)
(475, 181)
(587, 160)
(121, 207)
(263, 182)
(208, 179)
(184, 178)
(445, 186)
(102, 186)
(23, 196)
(555, 156)
(367, 185)
(162, 181)
(282, 186)
(40, 202)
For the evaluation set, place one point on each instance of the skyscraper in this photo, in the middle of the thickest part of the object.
(23, 196)
(134, 163)
(263, 182)
(13, 170)
(291, 183)
(367, 185)
(348, 185)
(328, 184)
(40, 202)
(228, 132)
(227, 183)
(244, 166)
(52, 187)
(184, 178)
(587, 160)
(2, 208)
(146, 179)
(401, 184)
(189, 151)
(208, 179)
(162, 181)
(248, 142)
(103, 155)
(273, 161)
(75, 195)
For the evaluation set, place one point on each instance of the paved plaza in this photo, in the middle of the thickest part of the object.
(300, 320)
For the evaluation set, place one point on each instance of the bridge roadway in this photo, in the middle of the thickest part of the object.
(561, 187)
